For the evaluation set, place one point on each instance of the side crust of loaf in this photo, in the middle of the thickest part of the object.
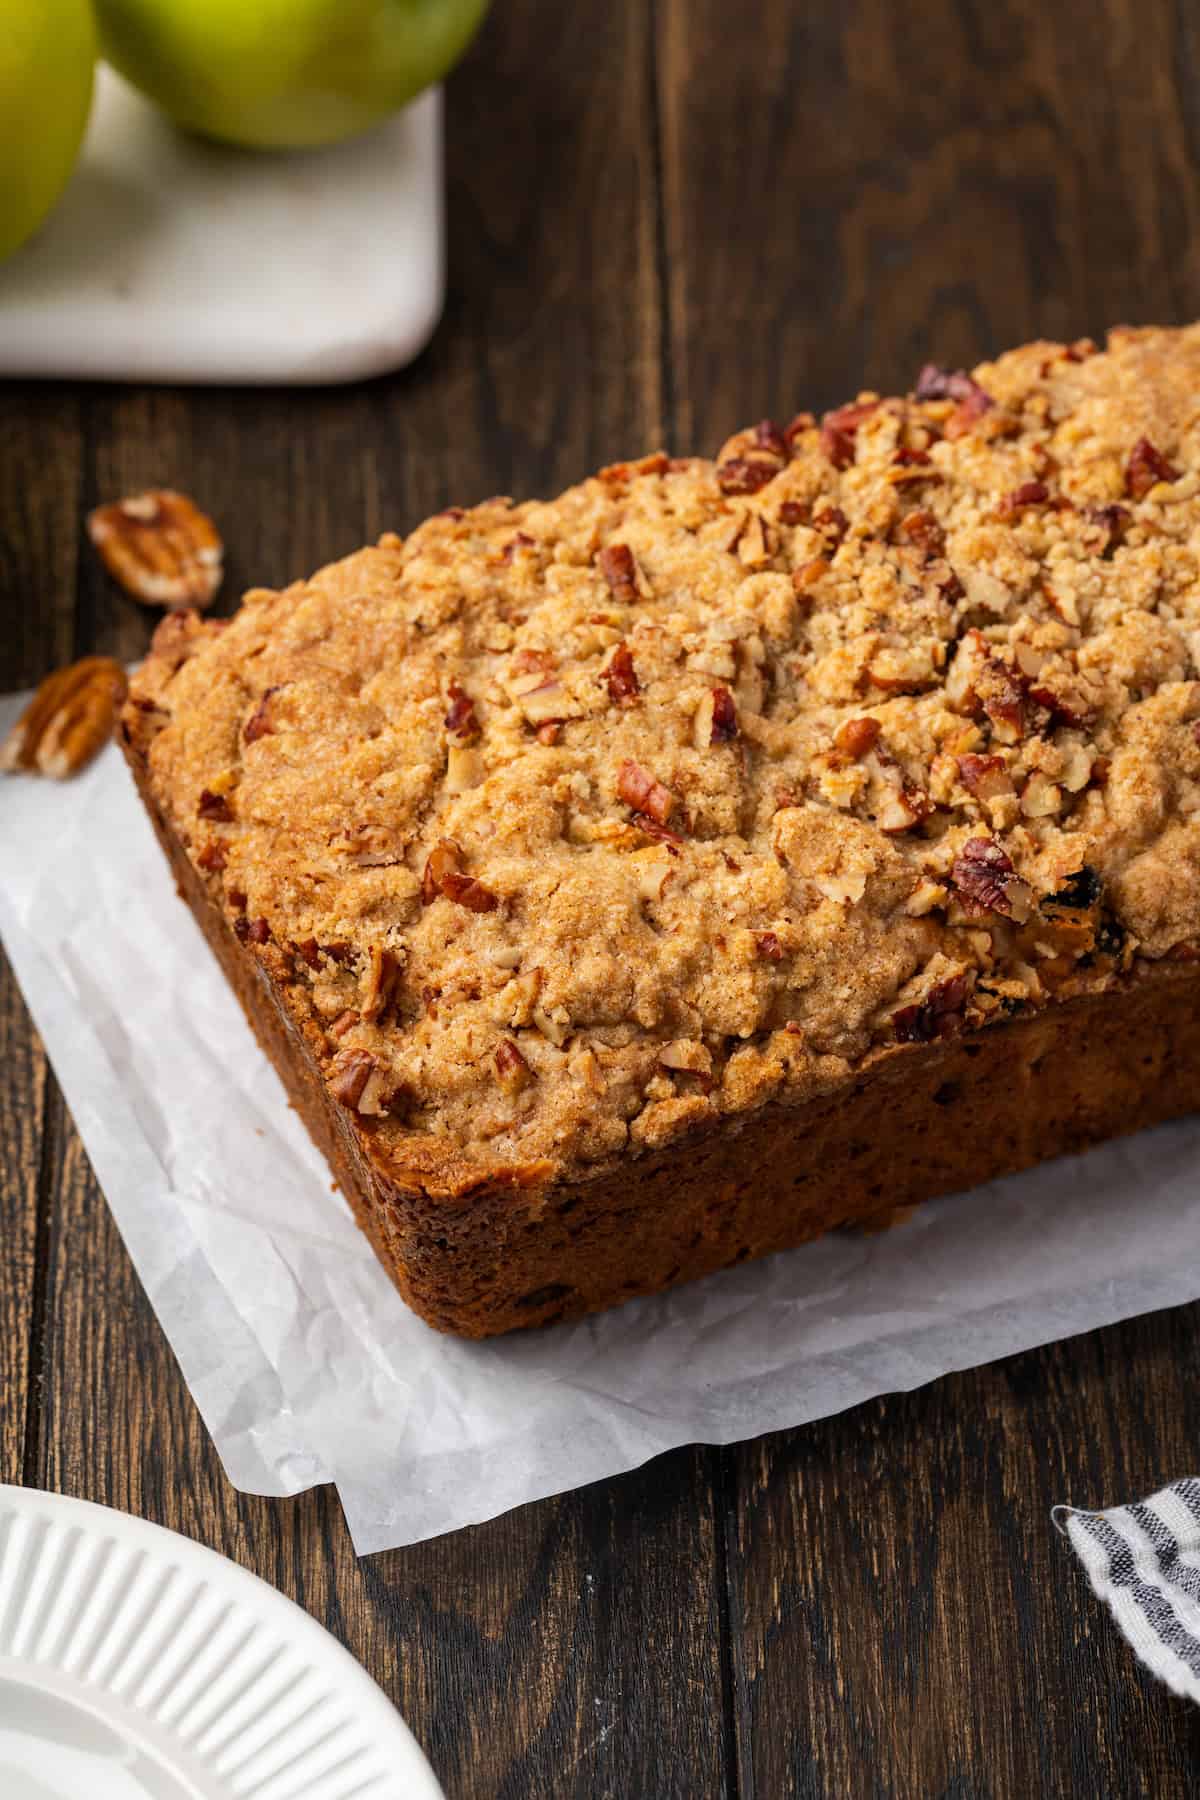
(958, 1112)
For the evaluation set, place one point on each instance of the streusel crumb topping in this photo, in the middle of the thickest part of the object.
(567, 827)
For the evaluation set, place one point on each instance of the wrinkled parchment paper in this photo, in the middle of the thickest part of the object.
(304, 1361)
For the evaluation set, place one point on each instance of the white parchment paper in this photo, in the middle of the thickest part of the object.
(302, 1358)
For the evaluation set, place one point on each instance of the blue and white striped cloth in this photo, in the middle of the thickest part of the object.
(1144, 1563)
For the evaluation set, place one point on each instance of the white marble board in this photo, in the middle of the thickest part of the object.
(173, 259)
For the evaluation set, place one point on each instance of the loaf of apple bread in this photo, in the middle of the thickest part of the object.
(725, 851)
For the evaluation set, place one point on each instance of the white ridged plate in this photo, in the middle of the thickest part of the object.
(137, 1665)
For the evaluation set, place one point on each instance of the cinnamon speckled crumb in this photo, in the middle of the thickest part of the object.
(572, 825)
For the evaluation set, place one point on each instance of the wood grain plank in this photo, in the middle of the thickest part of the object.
(40, 462)
(22, 1135)
(910, 1621)
(41, 473)
(572, 1647)
(850, 190)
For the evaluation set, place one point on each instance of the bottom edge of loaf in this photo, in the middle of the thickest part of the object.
(951, 1116)
(956, 1115)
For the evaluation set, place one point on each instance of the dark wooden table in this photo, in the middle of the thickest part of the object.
(667, 217)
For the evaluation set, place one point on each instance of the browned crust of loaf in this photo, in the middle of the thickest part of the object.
(954, 1115)
(495, 1256)
(331, 1128)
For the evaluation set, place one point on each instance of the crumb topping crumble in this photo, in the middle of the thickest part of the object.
(567, 827)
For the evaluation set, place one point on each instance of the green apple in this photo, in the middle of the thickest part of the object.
(47, 55)
(284, 74)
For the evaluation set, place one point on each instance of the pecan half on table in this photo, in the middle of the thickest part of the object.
(160, 547)
(70, 718)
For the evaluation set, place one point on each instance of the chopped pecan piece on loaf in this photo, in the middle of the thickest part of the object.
(644, 793)
(359, 1082)
(512, 1070)
(444, 875)
(986, 880)
(1146, 467)
(716, 719)
(745, 475)
(938, 1015)
(260, 723)
(619, 568)
(620, 677)
(461, 720)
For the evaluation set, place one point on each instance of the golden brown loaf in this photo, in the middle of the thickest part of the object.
(588, 855)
